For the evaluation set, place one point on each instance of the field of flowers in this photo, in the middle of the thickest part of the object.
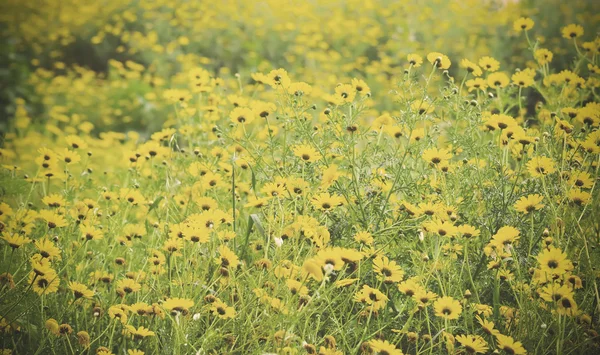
(299, 177)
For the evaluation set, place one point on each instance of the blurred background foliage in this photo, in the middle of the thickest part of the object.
(107, 63)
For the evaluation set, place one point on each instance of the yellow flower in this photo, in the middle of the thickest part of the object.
(138, 333)
(529, 203)
(498, 80)
(227, 258)
(572, 31)
(509, 345)
(553, 261)
(387, 269)
(345, 92)
(543, 56)
(44, 284)
(178, 305)
(345, 282)
(473, 344)
(83, 338)
(306, 153)
(436, 156)
(222, 310)
(364, 237)
(53, 219)
(127, 286)
(415, 60)
(447, 308)
(471, 67)
(312, 268)
(80, 290)
(15, 241)
(52, 325)
(579, 197)
(372, 297)
(384, 347)
(523, 79)
(439, 60)
(241, 115)
(540, 166)
(327, 202)
(523, 24)
(489, 64)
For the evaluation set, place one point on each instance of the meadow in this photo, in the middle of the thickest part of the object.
(299, 177)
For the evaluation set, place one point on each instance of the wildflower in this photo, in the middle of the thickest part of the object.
(52, 325)
(80, 290)
(178, 305)
(89, 233)
(436, 156)
(509, 345)
(468, 231)
(312, 268)
(388, 270)
(330, 259)
(498, 80)
(222, 310)
(76, 142)
(15, 241)
(572, 31)
(439, 60)
(330, 175)
(567, 306)
(227, 258)
(300, 89)
(523, 79)
(306, 153)
(345, 282)
(415, 60)
(554, 292)
(382, 347)
(242, 115)
(471, 67)
(138, 333)
(424, 296)
(327, 202)
(345, 92)
(409, 287)
(554, 261)
(117, 312)
(473, 344)
(278, 78)
(476, 84)
(127, 286)
(581, 179)
(69, 157)
(46, 283)
(364, 237)
(579, 197)
(372, 297)
(53, 219)
(540, 166)
(83, 338)
(529, 203)
(447, 308)
(54, 201)
(442, 228)
(543, 56)
(489, 64)
(523, 24)
(487, 326)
